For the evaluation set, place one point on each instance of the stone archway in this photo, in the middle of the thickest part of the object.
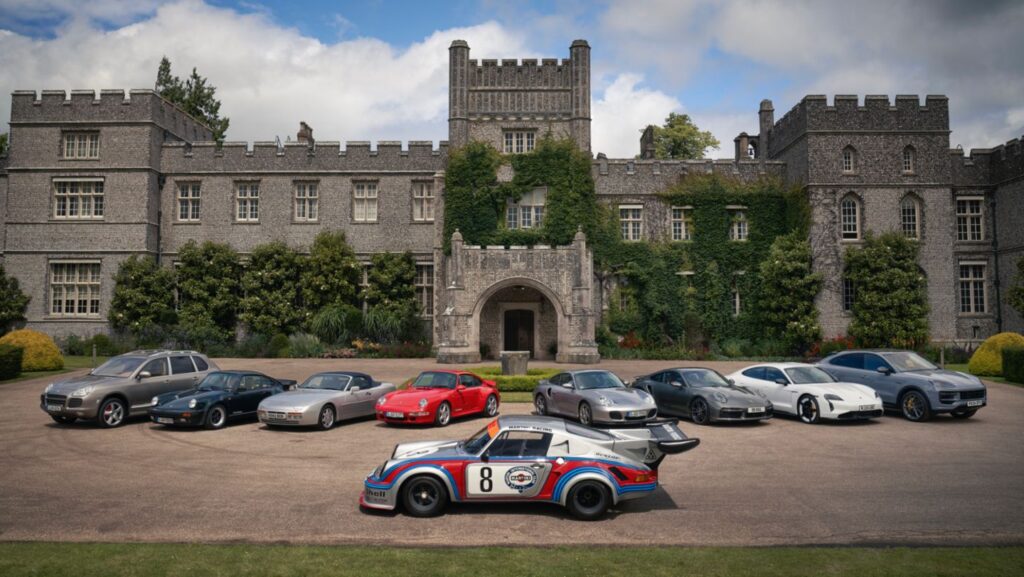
(519, 314)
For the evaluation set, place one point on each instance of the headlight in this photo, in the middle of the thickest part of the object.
(84, 391)
(192, 404)
(831, 397)
(423, 403)
(380, 401)
(155, 401)
(48, 388)
(721, 398)
(940, 385)
(605, 401)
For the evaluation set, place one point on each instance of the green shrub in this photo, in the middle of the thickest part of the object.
(988, 359)
(735, 347)
(304, 346)
(143, 295)
(39, 352)
(278, 346)
(514, 383)
(891, 304)
(13, 301)
(104, 346)
(253, 346)
(10, 361)
(73, 345)
(337, 324)
(1013, 364)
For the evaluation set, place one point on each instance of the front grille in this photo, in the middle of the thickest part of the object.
(969, 395)
(731, 413)
(57, 399)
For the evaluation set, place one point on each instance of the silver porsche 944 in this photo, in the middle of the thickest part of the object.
(324, 399)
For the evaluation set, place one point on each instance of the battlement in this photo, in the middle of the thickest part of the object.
(614, 175)
(386, 156)
(990, 166)
(84, 106)
(849, 113)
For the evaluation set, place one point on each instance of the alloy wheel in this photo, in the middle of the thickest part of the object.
(113, 413)
(808, 410)
(326, 418)
(699, 412)
(541, 405)
(492, 406)
(914, 406)
(586, 417)
(217, 417)
(444, 414)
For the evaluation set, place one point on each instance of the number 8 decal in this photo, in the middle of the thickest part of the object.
(486, 484)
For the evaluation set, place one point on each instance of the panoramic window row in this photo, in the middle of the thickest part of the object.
(970, 222)
(74, 288)
(681, 225)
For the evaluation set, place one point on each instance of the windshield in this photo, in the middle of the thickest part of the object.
(903, 362)
(326, 381)
(478, 441)
(808, 376)
(704, 378)
(119, 366)
(218, 382)
(598, 380)
(431, 380)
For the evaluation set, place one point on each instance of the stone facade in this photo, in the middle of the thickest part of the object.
(148, 151)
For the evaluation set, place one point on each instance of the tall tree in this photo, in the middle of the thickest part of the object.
(271, 284)
(143, 295)
(679, 137)
(208, 288)
(195, 95)
(788, 289)
(13, 301)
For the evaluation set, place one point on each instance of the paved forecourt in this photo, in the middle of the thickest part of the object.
(886, 482)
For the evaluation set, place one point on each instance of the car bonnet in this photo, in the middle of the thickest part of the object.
(68, 386)
(621, 397)
(298, 398)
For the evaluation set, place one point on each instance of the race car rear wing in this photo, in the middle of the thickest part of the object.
(652, 443)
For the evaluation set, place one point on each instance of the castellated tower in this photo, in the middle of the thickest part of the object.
(510, 104)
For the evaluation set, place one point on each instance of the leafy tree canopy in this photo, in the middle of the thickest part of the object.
(679, 137)
(13, 301)
(788, 289)
(195, 95)
(143, 295)
(271, 286)
(891, 307)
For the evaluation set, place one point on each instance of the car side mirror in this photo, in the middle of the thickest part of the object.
(884, 370)
(567, 385)
(460, 387)
(677, 384)
(144, 375)
(731, 381)
(782, 382)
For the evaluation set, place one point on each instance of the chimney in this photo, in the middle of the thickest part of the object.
(305, 134)
(742, 145)
(647, 143)
(766, 118)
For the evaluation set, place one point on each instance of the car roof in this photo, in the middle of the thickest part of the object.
(240, 372)
(581, 371)
(345, 373)
(786, 365)
(155, 352)
(550, 423)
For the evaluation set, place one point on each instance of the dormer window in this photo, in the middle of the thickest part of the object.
(849, 160)
(908, 160)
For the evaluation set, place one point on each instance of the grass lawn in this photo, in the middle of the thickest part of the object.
(70, 364)
(963, 369)
(111, 560)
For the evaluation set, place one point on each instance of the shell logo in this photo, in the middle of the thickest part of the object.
(520, 478)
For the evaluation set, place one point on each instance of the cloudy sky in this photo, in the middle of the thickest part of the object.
(377, 69)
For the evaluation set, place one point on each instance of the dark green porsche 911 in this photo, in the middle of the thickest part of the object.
(220, 397)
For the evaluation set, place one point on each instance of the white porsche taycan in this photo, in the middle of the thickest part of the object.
(810, 393)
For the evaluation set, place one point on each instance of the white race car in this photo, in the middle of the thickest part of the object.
(810, 393)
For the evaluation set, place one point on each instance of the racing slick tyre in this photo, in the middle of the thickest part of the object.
(424, 496)
(700, 412)
(112, 413)
(914, 406)
(63, 419)
(326, 419)
(588, 500)
(964, 413)
(216, 417)
(808, 411)
(491, 406)
(443, 415)
(541, 405)
(586, 414)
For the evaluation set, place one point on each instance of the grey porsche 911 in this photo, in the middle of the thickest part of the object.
(703, 395)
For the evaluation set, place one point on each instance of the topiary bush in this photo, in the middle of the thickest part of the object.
(40, 353)
(1013, 364)
(988, 359)
(10, 361)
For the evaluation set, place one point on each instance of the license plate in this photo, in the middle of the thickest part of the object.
(636, 413)
(755, 410)
(54, 408)
(394, 415)
(974, 403)
(280, 416)
(867, 407)
(165, 420)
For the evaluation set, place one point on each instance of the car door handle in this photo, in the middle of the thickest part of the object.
(537, 466)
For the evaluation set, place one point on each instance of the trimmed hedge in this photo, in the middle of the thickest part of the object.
(987, 361)
(40, 353)
(10, 361)
(1013, 364)
(518, 383)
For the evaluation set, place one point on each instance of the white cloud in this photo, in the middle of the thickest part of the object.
(268, 77)
(622, 111)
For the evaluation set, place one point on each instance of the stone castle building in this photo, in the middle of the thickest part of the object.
(92, 179)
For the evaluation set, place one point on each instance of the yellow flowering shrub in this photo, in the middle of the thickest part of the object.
(988, 359)
(40, 352)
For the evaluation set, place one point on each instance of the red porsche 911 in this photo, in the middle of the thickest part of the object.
(435, 397)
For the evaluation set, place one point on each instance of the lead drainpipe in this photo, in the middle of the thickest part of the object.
(995, 252)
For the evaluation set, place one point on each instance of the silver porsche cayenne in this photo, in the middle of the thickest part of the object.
(324, 399)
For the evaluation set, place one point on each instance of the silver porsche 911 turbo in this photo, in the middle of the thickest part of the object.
(593, 397)
(324, 399)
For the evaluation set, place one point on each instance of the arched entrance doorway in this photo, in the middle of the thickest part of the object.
(519, 318)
